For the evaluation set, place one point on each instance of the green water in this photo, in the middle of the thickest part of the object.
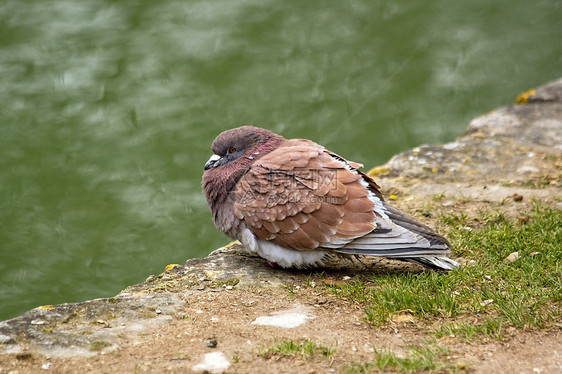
(108, 109)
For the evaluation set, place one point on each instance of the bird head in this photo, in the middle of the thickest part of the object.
(241, 146)
(234, 152)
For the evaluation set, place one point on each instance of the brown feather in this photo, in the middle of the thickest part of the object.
(271, 227)
(359, 205)
(297, 240)
(317, 226)
(330, 214)
(306, 207)
(287, 226)
(263, 233)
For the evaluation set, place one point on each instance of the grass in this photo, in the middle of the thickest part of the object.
(306, 349)
(526, 293)
(490, 328)
(418, 358)
(98, 345)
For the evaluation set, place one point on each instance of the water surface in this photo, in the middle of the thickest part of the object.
(108, 109)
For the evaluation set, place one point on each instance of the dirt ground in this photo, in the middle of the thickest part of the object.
(176, 347)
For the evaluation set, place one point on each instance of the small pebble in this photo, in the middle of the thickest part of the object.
(211, 343)
(517, 197)
(523, 219)
(214, 362)
(514, 256)
(486, 302)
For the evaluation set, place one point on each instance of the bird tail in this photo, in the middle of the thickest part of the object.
(437, 263)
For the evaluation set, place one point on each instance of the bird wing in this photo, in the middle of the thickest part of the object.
(301, 196)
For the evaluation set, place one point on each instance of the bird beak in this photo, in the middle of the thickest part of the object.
(212, 162)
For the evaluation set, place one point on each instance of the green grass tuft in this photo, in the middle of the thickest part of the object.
(525, 293)
(490, 328)
(305, 348)
(419, 358)
(98, 345)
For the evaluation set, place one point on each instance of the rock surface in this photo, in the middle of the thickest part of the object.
(515, 150)
(518, 146)
(214, 362)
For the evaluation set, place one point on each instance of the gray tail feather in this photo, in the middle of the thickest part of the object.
(438, 263)
(397, 252)
(410, 223)
(434, 259)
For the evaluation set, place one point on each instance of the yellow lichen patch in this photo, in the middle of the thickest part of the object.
(378, 171)
(171, 266)
(232, 244)
(46, 307)
(393, 197)
(523, 97)
(211, 274)
(403, 317)
(478, 134)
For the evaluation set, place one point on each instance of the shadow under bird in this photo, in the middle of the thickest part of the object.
(295, 203)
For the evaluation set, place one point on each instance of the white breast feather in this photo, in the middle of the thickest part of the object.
(283, 257)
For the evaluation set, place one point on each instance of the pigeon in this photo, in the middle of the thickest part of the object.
(297, 204)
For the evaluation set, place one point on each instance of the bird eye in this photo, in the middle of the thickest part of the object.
(231, 150)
